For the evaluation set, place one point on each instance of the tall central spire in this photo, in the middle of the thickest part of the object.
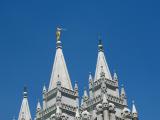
(59, 71)
(101, 62)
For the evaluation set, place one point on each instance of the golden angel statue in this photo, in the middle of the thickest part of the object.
(58, 34)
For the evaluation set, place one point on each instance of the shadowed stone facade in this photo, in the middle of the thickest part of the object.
(104, 101)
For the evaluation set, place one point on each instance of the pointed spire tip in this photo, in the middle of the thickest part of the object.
(25, 92)
(100, 45)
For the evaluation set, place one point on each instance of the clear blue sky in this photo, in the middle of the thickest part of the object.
(130, 30)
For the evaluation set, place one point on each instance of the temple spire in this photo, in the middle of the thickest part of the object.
(24, 111)
(59, 71)
(101, 62)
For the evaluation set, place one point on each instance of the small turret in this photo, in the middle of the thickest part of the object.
(38, 106)
(123, 95)
(90, 79)
(85, 95)
(76, 86)
(44, 89)
(82, 102)
(115, 77)
(134, 111)
(91, 86)
(76, 89)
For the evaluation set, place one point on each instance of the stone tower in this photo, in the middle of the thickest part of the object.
(105, 100)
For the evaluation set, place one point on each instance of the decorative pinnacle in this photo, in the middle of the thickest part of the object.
(115, 77)
(25, 92)
(38, 105)
(85, 95)
(134, 111)
(123, 94)
(90, 77)
(44, 89)
(76, 85)
(100, 46)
